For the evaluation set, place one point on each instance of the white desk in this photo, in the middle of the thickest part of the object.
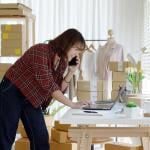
(84, 134)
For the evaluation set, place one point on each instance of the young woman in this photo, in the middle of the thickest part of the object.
(30, 84)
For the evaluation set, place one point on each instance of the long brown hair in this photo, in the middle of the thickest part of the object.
(66, 40)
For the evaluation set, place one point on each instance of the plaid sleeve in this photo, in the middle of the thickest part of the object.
(43, 73)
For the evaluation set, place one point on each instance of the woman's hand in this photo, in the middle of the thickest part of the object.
(80, 104)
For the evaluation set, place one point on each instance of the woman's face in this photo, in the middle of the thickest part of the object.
(75, 51)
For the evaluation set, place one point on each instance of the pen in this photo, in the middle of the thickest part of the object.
(88, 111)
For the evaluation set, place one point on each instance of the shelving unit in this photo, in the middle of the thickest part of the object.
(17, 27)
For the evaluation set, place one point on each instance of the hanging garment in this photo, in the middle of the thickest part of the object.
(109, 52)
(88, 65)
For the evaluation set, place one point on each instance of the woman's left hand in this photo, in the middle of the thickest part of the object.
(80, 104)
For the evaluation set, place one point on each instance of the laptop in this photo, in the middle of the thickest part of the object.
(105, 104)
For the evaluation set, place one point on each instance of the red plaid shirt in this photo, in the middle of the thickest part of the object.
(35, 76)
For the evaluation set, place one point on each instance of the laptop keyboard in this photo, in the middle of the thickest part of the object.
(100, 105)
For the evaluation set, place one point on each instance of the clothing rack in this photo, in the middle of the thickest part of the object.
(97, 40)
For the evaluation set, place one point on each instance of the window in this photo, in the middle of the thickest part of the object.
(146, 41)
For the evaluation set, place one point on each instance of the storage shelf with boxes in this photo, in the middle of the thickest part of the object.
(17, 29)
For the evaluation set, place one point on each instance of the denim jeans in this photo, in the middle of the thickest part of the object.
(15, 106)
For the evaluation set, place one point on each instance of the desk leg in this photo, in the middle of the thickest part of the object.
(84, 142)
(146, 143)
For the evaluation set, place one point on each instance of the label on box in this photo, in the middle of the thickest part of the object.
(5, 36)
(18, 51)
(7, 27)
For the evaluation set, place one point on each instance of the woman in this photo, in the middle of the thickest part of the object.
(30, 84)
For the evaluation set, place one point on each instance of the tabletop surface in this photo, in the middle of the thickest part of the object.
(113, 116)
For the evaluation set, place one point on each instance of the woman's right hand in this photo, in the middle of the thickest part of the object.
(80, 104)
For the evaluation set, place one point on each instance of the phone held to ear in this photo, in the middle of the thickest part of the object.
(73, 61)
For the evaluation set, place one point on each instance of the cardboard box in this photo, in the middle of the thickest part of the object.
(59, 136)
(3, 68)
(61, 127)
(11, 43)
(11, 51)
(63, 146)
(136, 100)
(22, 144)
(83, 85)
(5, 6)
(121, 146)
(83, 95)
(22, 131)
(11, 35)
(117, 66)
(116, 85)
(114, 95)
(118, 76)
(138, 66)
(11, 28)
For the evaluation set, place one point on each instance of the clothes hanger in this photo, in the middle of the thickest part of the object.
(90, 48)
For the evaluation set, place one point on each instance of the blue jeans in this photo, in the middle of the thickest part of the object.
(15, 106)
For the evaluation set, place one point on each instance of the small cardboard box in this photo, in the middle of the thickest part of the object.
(11, 28)
(61, 127)
(59, 136)
(121, 146)
(83, 95)
(3, 68)
(83, 85)
(117, 66)
(118, 76)
(63, 146)
(117, 84)
(22, 144)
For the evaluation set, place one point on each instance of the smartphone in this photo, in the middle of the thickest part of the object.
(73, 61)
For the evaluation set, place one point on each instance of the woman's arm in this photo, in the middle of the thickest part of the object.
(66, 80)
(58, 95)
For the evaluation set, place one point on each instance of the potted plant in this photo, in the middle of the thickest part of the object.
(135, 77)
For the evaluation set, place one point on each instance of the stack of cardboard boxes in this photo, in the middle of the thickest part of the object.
(91, 90)
(23, 143)
(59, 138)
(122, 146)
(119, 76)
(12, 39)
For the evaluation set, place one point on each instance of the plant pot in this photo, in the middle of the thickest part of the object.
(132, 112)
